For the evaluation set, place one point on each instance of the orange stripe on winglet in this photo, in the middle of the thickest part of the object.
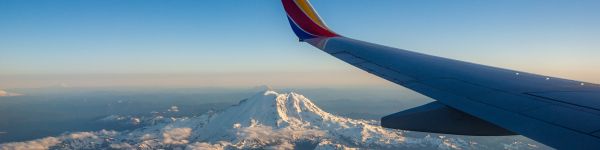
(310, 12)
(303, 21)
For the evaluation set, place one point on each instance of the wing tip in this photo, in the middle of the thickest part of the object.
(304, 20)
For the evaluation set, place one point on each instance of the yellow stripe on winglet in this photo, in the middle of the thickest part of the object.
(310, 12)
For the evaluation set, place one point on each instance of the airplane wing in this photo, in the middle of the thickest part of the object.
(472, 99)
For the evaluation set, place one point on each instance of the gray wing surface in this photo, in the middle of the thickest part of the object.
(472, 99)
(561, 113)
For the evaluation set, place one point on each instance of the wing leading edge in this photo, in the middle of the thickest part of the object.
(561, 113)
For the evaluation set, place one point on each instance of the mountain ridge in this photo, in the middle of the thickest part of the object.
(266, 120)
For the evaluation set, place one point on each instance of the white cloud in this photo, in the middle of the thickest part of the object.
(207, 146)
(173, 109)
(328, 145)
(40, 144)
(82, 135)
(5, 93)
(77, 140)
(516, 145)
(124, 146)
(177, 136)
(283, 146)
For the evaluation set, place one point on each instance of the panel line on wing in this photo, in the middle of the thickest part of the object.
(366, 65)
(343, 55)
(560, 101)
(422, 86)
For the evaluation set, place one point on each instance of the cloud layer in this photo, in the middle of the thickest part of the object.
(5, 93)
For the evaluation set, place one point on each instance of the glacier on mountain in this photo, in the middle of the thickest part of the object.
(267, 120)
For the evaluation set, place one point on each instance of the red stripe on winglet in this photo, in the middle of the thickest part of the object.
(304, 21)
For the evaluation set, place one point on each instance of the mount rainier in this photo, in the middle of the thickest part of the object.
(267, 120)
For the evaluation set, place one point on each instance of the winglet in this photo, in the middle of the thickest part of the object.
(305, 21)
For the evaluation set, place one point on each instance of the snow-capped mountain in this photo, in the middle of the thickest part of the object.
(267, 120)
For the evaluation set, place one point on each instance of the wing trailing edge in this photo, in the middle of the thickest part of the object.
(438, 118)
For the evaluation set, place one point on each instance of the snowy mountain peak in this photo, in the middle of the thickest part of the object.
(268, 108)
(285, 104)
(267, 120)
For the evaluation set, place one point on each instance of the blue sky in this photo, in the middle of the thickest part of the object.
(56, 40)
